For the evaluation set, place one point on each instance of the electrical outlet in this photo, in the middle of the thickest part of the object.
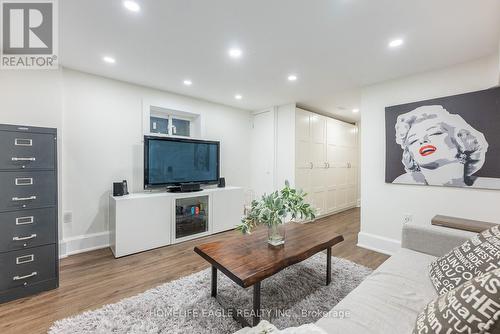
(68, 217)
(407, 218)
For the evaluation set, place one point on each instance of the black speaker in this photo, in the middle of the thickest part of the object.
(125, 187)
(118, 189)
(222, 183)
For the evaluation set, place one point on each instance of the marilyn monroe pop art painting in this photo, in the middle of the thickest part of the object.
(446, 142)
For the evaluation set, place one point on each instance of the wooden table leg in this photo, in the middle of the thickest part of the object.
(214, 282)
(328, 265)
(256, 304)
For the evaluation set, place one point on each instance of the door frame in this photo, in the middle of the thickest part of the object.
(274, 114)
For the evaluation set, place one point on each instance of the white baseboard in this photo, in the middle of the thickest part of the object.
(83, 243)
(62, 250)
(334, 212)
(378, 244)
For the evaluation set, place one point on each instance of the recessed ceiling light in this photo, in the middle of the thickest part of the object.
(188, 82)
(355, 110)
(109, 60)
(238, 97)
(395, 43)
(235, 53)
(131, 5)
(292, 77)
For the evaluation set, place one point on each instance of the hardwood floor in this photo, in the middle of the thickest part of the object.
(93, 279)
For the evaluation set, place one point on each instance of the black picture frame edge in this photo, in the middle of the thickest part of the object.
(443, 97)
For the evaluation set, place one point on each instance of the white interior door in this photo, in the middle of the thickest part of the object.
(346, 153)
(342, 153)
(262, 153)
(318, 189)
(303, 156)
(332, 159)
(302, 139)
(326, 161)
(318, 140)
(352, 165)
(319, 171)
(303, 181)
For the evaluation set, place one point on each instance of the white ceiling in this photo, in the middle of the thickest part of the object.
(334, 46)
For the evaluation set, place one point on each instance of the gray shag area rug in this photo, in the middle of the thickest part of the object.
(293, 297)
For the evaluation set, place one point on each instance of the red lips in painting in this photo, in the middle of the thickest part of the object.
(427, 150)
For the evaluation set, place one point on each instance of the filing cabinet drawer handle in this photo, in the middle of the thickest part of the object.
(33, 236)
(23, 142)
(24, 181)
(19, 199)
(25, 220)
(23, 159)
(19, 278)
(25, 259)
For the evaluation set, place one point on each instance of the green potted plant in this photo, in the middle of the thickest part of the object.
(273, 209)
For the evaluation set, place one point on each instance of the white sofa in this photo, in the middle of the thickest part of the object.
(389, 300)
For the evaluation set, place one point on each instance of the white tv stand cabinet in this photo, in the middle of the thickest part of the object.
(146, 220)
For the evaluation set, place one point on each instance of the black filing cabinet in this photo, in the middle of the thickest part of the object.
(29, 261)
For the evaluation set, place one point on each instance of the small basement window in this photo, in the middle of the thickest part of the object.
(161, 125)
(162, 121)
(158, 125)
(169, 122)
(181, 127)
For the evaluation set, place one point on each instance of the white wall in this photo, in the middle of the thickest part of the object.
(278, 135)
(31, 97)
(383, 205)
(285, 145)
(262, 152)
(34, 98)
(103, 144)
(100, 139)
(358, 195)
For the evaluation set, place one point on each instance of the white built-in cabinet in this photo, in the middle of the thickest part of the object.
(326, 164)
(144, 221)
(313, 152)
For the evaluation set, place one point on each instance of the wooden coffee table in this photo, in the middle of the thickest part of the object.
(248, 259)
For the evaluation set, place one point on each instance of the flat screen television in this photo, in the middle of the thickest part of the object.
(174, 161)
